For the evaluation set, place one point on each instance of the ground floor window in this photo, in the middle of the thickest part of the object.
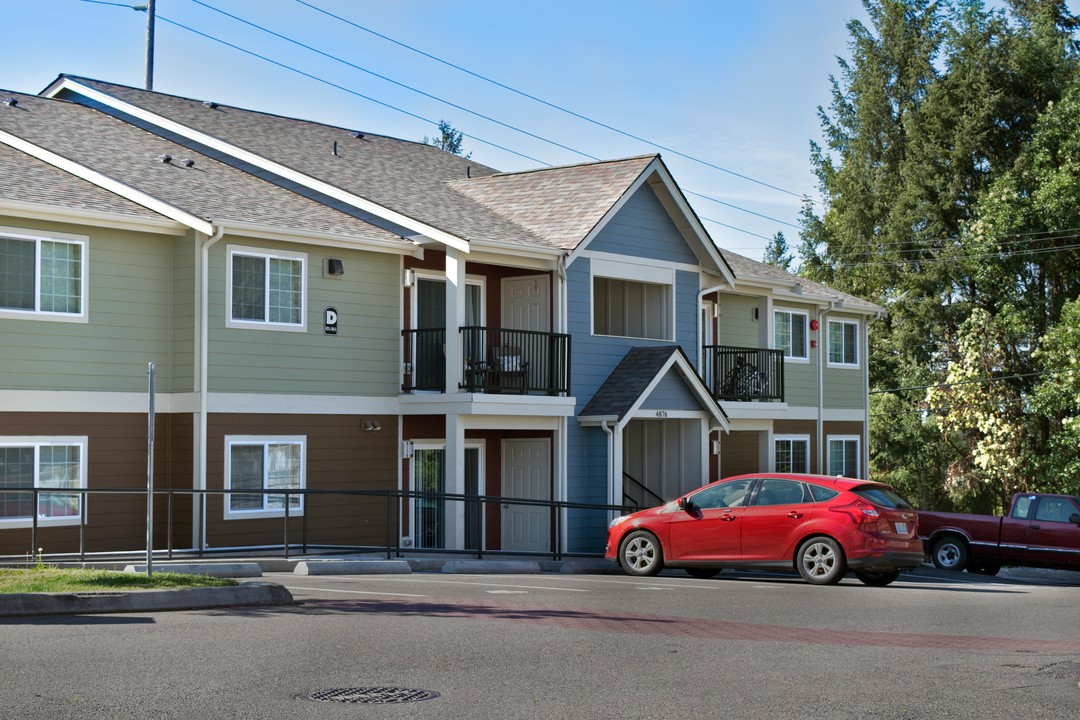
(42, 463)
(792, 453)
(263, 464)
(844, 456)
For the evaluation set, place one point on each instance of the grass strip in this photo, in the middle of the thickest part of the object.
(53, 579)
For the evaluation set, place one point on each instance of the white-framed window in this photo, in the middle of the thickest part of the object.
(844, 455)
(256, 462)
(42, 277)
(266, 289)
(42, 463)
(791, 453)
(631, 308)
(843, 340)
(789, 333)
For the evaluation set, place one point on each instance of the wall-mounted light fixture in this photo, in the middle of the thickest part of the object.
(755, 314)
(406, 449)
(408, 278)
(715, 447)
(716, 310)
(370, 425)
(335, 267)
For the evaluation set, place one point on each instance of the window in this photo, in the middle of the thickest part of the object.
(254, 463)
(774, 491)
(42, 275)
(266, 288)
(1052, 509)
(792, 454)
(43, 463)
(722, 495)
(843, 343)
(844, 456)
(629, 308)
(789, 334)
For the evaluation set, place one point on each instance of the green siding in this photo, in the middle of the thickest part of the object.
(844, 387)
(801, 378)
(129, 319)
(362, 359)
(736, 326)
(184, 292)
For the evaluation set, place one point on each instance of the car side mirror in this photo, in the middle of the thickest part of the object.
(1075, 518)
(686, 504)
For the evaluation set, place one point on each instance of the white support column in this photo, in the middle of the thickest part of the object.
(455, 481)
(455, 318)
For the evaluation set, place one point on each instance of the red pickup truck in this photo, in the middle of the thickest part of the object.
(1039, 531)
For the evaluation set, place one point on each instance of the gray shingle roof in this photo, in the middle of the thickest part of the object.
(209, 189)
(624, 386)
(562, 204)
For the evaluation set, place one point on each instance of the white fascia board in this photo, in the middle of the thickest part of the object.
(483, 404)
(517, 249)
(97, 218)
(264, 163)
(271, 403)
(311, 237)
(90, 401)
(107, 183)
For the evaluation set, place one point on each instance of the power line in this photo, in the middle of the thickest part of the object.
(456, 106)
(706, 163)
(977, 381)
(960, 258)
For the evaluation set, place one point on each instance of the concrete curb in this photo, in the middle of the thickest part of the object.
(353, 567)
(252, 594)
(217, 570)
(490, 567)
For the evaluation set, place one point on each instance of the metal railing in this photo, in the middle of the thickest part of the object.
(744, 374)
(395, 506)
(644, 493)
(493, 360)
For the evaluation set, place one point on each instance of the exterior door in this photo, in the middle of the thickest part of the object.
(429, 512)
(526, 473)
(526, 303)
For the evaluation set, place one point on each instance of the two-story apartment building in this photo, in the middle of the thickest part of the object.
(332, 310)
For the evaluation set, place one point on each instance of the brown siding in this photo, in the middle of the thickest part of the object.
(116, 459)
(739, 453)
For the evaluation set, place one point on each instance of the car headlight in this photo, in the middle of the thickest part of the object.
(616, 521)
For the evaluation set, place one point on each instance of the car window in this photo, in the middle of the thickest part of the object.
(821, 494)
(721, 495)
(1022, 508)
(1054, 510)
(780, 492)
(882, 497)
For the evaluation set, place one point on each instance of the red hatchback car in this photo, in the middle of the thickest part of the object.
(819, 525)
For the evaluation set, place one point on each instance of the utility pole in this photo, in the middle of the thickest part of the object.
(148, 8)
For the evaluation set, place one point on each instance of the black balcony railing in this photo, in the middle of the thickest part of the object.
(744, 374)
(493, 360)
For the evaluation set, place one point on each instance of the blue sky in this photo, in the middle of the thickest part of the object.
(735, 83)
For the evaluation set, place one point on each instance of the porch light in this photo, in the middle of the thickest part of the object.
(408, 278)
(406, 449)
(335, 266)
(370, 425)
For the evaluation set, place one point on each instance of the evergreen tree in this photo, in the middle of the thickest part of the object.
(449, 139)
(777, 253)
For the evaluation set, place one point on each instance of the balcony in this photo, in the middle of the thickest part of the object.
(744, 374)
(493, 360)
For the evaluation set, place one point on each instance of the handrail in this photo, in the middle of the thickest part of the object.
(635, 481)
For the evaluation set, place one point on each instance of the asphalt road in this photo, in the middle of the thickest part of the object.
(568, 646)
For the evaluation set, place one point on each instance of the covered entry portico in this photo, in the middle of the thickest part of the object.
(657, 415)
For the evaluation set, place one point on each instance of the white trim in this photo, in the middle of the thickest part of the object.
(265, 441)
(97, 218)
(828, 345)
(806, 332)
(261, 231)
(858, 453)
(37, 237)
(37, 442)
(479, 444)
(640, 264)
(107, 183)
(633, 273)
(231, 251)
(793, 439)
(258, 161)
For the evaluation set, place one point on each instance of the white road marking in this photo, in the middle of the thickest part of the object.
(508, 592)
(351, 592)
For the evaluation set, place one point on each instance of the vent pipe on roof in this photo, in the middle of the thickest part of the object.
(358, 135)
(333, 149)
(165, 159)
(468, 171)
(11, 102)
(210, 104)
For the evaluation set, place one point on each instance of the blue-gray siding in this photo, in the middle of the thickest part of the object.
(642, 228)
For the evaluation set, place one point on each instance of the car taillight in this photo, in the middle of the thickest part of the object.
(863, 514)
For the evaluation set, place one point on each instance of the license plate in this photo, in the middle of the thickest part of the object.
(901, 528)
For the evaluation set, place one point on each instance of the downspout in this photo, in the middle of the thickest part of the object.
(701, 349)
(866, 394)
(611, 460)
(821, 388)
(204, 374)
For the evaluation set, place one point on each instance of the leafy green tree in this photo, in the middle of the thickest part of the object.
(778, 254)
(1057, 397)
(448, 139)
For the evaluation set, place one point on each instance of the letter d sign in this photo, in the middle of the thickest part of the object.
(330, 321)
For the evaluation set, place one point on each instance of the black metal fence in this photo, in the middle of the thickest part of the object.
(744, 374)
(393, 505)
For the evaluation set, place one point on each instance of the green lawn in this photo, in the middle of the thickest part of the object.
(52, 579)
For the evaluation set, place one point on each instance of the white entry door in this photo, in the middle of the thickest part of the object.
(526, 473)
(526, 303)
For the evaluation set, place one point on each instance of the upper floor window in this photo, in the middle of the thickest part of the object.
(42, 275)
(44, 464)
(267, 288)
(789, 333)
(630, 308)
(263, 463)
(844, 343)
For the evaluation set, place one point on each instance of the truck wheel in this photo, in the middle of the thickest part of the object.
(950, 553)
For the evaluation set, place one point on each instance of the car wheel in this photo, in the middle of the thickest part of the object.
(821, 561)
(641, 554)
(702, 573)
(877, 579)
(950, 553)
(985, 568)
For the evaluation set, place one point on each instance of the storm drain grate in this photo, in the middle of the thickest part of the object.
(372, 695)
